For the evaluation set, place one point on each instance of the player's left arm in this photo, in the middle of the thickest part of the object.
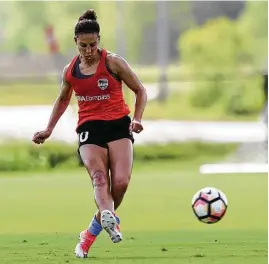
(127, 75)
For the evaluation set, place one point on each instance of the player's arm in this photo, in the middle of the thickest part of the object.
(123, 70)
(59, 108)
(61, 102)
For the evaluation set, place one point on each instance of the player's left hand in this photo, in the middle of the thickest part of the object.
(136, 126)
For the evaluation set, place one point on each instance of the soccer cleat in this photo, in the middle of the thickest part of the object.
(109, 223)
(86, 239)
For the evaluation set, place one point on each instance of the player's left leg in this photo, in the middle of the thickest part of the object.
(120, 152)
(121, 163)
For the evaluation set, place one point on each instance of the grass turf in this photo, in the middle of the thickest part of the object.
(42, 214)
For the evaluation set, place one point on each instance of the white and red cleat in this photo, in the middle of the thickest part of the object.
(86, 239)
(109, 223)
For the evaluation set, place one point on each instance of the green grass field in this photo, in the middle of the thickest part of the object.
(43, 213)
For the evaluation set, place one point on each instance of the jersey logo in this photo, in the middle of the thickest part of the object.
(102, 84)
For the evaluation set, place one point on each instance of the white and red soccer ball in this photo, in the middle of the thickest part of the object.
(209, 205)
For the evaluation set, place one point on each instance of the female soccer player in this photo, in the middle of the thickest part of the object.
(104, 127)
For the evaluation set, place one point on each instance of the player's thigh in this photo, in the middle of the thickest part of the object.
(94, 158)
(121, 160)
(92, 133)
(92, 146)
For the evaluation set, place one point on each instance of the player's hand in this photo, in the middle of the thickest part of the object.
(40, 137)
(136, 126)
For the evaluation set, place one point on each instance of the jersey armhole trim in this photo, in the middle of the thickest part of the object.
(114, 75)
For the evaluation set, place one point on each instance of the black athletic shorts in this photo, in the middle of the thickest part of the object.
(100, 132)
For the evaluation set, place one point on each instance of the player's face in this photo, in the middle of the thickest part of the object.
(87, 45)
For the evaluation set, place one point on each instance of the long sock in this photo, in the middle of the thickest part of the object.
(95, 227)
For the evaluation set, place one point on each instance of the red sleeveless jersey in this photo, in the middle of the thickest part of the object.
(99, 96)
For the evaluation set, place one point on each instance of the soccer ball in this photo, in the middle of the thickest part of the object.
(209, 205)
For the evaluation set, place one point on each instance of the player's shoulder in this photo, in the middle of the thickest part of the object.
(66, 68)
(65, 75)
(114, 56)
(114, 59)
(71, 62)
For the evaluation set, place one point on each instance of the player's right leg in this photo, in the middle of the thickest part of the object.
(95, 160)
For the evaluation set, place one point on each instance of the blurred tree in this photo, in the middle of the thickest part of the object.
(106, 13)
(216, 45)
(255, 18)
(4, 11)
(120, 31)
(254, 23)
(79, 7)
(22, 31)
(63, 16)
(138, 16)
(162, 54)
(37, 12)
(139, 23)
(217, 54)
(229, 42)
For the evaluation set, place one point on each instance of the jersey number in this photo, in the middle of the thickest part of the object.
(83, 136)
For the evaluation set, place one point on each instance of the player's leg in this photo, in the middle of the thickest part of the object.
(120, 150)
(121, 162)
(95, 160)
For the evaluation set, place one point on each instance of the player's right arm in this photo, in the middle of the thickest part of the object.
(59, 108)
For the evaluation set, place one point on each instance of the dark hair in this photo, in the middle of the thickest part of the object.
(87, 23)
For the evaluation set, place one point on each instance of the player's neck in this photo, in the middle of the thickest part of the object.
(89, 63)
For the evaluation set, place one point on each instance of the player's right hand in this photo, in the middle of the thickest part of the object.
(40, 137)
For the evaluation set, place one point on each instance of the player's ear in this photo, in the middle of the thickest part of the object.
(75, 39)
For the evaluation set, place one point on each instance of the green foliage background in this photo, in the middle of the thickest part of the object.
(228, 59)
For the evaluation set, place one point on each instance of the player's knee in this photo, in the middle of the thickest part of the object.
(99, 179)
(90, 163)
(121, 185)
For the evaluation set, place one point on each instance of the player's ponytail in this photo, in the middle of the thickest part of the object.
(89, 14)
(87, 23)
